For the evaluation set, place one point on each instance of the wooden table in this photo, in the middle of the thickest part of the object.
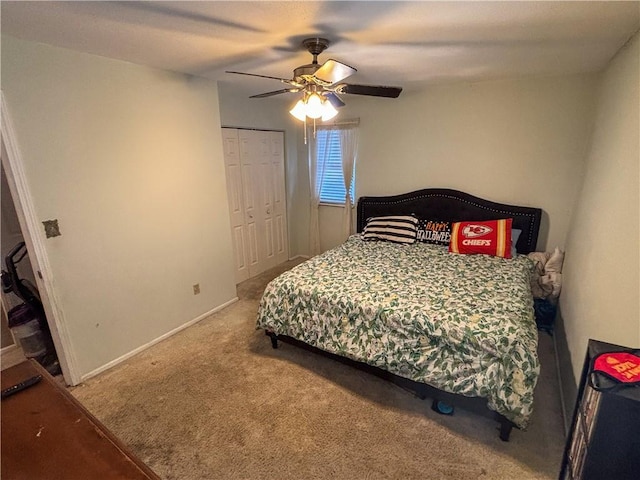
(48, 434)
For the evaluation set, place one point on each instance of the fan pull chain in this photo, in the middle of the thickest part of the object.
(305, 130)
(306, 127)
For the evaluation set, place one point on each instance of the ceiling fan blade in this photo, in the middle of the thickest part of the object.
(333, 71)
(334, 99)
(373, 90)
(275, 92)
(283, 80)
(160, 14)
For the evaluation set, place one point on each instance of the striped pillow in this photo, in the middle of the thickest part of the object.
(398, 229)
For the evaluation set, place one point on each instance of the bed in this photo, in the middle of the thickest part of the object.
(453, 327)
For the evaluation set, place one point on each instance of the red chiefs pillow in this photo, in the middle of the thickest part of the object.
(491, 237)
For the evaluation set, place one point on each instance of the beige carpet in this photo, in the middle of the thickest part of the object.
(217, 402)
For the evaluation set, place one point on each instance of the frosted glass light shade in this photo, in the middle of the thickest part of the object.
(299, 110)
(328, 111)
(314, 106)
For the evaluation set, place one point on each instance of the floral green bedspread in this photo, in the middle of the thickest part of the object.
(460, 323)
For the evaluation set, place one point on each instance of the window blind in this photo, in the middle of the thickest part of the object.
(329, 161)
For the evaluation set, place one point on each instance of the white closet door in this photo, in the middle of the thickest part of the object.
(251, 183)
(266, 198)
(261, 222)
(236, 202)
(281, 239)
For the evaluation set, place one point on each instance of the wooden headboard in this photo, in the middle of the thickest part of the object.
(444, 204)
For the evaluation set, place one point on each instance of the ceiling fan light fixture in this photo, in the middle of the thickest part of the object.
(319, 85)
(313, 106)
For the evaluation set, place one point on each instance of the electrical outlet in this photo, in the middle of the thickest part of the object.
(196, 289)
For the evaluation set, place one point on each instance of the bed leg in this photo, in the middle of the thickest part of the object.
(274, 339)
(505, 431)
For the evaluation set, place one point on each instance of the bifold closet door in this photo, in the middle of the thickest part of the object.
(279, 215)
(233, 168)
(256, 189)
(252, 196)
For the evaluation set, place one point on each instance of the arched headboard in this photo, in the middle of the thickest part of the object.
(445, 204)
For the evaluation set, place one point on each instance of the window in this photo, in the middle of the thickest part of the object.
(329, 167)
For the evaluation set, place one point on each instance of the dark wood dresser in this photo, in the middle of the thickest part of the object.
(48, 434)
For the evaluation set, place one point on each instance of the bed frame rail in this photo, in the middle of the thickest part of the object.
(421, 390)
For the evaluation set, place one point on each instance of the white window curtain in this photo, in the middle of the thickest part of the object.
(317, 162)
(349, 147)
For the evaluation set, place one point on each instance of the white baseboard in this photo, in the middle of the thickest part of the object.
(8, 349)
(566, 422)
(306, 257)
(11, 355)
(124, 357)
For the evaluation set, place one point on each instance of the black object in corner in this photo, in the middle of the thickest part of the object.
(545, 313)
(603, 441)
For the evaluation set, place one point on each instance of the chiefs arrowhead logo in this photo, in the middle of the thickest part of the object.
(492, 237)
(474, 231)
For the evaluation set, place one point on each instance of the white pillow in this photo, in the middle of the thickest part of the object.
(554, 264)
(515, 235)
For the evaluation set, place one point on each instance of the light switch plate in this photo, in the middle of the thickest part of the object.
(51, 228)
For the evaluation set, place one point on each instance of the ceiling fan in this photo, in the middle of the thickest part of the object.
(321, 84)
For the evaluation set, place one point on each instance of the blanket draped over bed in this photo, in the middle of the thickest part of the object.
(461, 323)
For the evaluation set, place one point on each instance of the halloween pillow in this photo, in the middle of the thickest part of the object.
(434, 231)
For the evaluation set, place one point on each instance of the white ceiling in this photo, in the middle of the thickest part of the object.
(390, 43)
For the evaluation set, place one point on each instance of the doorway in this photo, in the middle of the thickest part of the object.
(29, 227)
(10, 236)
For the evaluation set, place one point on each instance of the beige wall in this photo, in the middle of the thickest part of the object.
(129, 160)
(520, 141)
(600, 297)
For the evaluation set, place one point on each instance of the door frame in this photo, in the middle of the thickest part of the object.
(32, 233)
